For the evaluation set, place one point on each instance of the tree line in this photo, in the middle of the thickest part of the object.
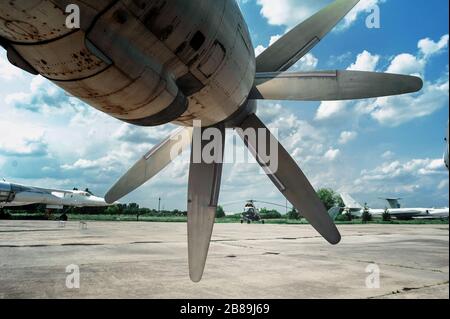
(327, 196)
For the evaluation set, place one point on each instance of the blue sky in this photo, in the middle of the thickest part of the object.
(370, 148)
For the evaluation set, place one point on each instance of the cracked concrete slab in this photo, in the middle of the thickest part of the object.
(149, 260)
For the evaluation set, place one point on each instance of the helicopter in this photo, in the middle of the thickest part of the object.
(251, 213)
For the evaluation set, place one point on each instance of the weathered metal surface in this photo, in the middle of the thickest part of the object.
(31, 21)
(141, 61)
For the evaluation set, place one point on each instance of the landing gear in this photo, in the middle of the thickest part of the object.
(249, 221)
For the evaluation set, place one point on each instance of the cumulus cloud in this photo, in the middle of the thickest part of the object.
(142, 135)
(406, 63)
(332, 154)
(388, 155)
(43, 97)
(410, 179)
(395, 110)
(7, 70)
(292, 12)
(307, 63)
(330, 109)
(27, 141)
(412, 168)
(429, 47)
(365, 61)
(347, 136)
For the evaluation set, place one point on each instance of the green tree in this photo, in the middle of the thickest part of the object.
(220, 213)
(112, 210)
(328, 197)
(131, 209)
(386, 216)
(269, 213)
(366, 216)
(344, 217)
(293, 214)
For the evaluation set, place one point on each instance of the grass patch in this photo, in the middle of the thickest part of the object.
(224, 220)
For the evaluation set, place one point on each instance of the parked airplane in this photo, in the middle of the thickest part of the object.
(356, 209)
(394, 209)
(151, 62)
(16, 195)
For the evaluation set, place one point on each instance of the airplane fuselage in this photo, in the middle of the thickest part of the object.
(16, 195)
(143, 62)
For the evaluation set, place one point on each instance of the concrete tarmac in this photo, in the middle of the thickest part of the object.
(149, 260)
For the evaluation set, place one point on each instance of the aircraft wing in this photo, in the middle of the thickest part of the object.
(51, 190)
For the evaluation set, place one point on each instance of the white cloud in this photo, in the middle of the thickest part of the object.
(388, 155)
(259, 49)
(397, 169)
(429, 47)
(365, 61)
(274, 39)
(308, 63)
(292, 12)
(332, 154)
(364, 6)
(26, 141)
(416, 180)
(396, 110)
(347, 136)
(400, 109)
(43, 97)
(330, 109)
(7, 70)
(406, 63)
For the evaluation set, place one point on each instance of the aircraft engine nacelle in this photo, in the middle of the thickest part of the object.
(144, 62)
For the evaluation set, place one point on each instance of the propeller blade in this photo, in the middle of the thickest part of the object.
(332, 85)
(150, 164)
(299, 41)
(289, 178)
(203, 195)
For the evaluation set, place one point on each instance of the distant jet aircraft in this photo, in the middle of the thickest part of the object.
(394, 209)
(151, 62)
(16, 195)
(356, 209)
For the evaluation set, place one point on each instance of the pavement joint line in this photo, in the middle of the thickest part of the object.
(30, 230)
(392, 265)
(408, 289)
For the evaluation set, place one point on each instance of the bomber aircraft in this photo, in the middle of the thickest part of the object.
(16, 195)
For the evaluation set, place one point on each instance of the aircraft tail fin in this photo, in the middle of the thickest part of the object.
(350, 202)
(334, 212)
(393, 202)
